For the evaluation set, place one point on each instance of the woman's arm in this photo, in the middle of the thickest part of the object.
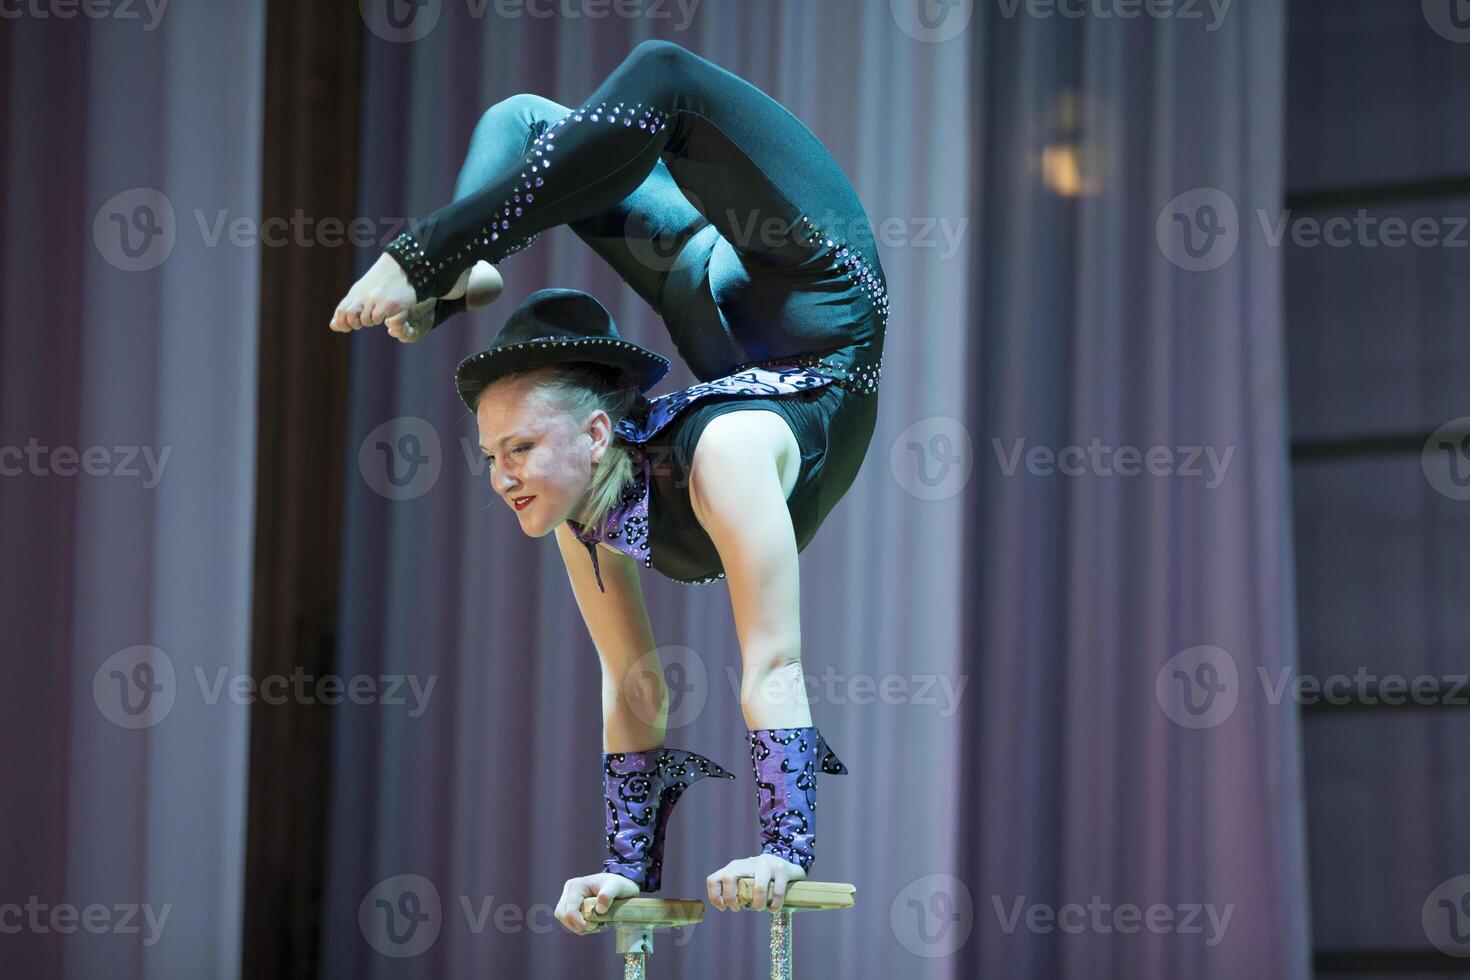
(634, 696)
(737, 495)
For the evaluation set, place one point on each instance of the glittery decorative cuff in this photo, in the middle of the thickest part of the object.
(785, 761)
(641, 789)
(429, 278)
(409, 253)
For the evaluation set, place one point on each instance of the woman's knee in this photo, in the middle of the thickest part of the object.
(659, 55)
(516, 114)
(501, 136)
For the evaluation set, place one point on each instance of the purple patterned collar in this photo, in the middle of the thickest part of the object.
(626, 526)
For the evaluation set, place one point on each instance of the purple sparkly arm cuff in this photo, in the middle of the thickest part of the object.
(641, 789)
(786, 761)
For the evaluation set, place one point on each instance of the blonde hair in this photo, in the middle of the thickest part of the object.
(580, 388)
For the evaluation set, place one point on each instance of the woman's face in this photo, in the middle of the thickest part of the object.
(539, 457)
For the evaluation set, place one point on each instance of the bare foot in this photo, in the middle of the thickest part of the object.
(381, 292)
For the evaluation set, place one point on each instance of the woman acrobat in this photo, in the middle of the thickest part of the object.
(772, 293)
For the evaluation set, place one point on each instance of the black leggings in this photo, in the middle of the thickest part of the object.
(673, 151)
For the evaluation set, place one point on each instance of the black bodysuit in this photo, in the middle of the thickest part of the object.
(729, 217)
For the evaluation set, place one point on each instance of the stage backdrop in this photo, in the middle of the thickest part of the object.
(990, 639)
(1128, 538)
(127, 417)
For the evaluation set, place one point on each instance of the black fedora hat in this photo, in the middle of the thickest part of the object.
(553, 326)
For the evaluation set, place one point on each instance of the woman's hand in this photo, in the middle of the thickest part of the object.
(771, 874)
(479, 285)
(605, 886)
(411, 326)
(381, 292)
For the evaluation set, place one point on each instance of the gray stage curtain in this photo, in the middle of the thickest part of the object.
(127, 376)
(1099, 771)
(983, 648)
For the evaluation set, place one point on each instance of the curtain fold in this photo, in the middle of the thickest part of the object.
(127, 352)
(982, 648)
(1123, 750)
